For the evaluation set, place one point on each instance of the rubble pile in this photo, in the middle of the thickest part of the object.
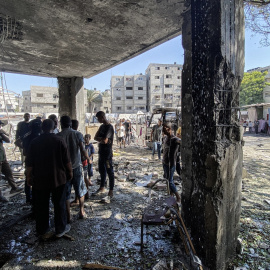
(110, 234)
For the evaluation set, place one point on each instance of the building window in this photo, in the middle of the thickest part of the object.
(54, 106)
(267, 94)
(117, 79)
(128, 79)
(167, 68)
(140, 78)
(140, 88)
(168, 96)
(129, 108)
(55, 96)
(157, 68)
(157, 87)
(141, 108)
(178, 97)
(179, 68)
(179, 77)
(140, 98)
(118, 89)
(157, 97)
(118, 98)
(129, 97)
(118, 108)
(168, 76)
(129, 88)
(39, 95)
(25, 98)
(168, 85)
(156, 77)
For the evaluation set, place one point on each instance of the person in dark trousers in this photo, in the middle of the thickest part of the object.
(74, 141)
(256, 126)
(156, 138)
(127, 126)
(4, 165)
(170, 148)
(48, 170)
(22, 129)
(55, 120)
(34, 132)
(104, 136)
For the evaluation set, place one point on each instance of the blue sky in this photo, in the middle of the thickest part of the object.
(166, 53)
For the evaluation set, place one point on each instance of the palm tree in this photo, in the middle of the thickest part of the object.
(93, 97)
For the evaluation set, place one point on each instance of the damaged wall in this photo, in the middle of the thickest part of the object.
(213, 39)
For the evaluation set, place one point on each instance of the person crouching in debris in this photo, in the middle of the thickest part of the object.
(4, 165)
(48, 170)
(170, 148)
(104, 136)
(74, 141)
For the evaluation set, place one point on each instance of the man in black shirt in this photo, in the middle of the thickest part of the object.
(22, 129)
(104, 136)
(170, 148)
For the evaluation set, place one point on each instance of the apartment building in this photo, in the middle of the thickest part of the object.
(128, 94)
(41, 99)
(164, 85)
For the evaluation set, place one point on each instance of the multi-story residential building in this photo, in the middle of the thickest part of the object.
(164, 85)
(128, 94)
(41, 99)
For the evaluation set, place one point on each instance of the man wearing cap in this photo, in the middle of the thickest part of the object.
(4, 165)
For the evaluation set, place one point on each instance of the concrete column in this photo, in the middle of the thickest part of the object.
(71, 99)
(213, 39)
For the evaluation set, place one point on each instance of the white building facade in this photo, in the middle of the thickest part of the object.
(164, 85)
(41, 99)
(128, 94)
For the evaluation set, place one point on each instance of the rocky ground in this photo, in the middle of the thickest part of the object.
(110, 235)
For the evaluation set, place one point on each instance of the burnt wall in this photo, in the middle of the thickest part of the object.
(213, 40)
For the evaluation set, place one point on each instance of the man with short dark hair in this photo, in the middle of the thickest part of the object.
(48, 170)
(170, 148)
(156, 138)
(104, 136)
(74, 140)
(22, 129)
(54, 118)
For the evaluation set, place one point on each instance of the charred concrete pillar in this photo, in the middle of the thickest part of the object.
(71, 99)
(213, 40)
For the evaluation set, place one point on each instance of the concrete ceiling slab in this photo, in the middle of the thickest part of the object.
(82, 37)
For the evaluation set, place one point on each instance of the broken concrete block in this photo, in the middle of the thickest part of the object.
(122, 178)
(132, 176)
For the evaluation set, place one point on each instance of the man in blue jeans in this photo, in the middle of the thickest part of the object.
(156, 137)
(170, 148)
(104, 136)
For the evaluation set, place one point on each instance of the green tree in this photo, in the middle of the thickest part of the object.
(252, 87)
(93, 97)
(257, 18)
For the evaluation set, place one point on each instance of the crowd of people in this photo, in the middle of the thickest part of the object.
(57, 161)
(258, 126)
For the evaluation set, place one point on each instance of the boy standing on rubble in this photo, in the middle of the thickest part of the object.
(104, 136)
(170, 148)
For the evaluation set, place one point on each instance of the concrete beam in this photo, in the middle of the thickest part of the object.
(71, 99)
(213, 39)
